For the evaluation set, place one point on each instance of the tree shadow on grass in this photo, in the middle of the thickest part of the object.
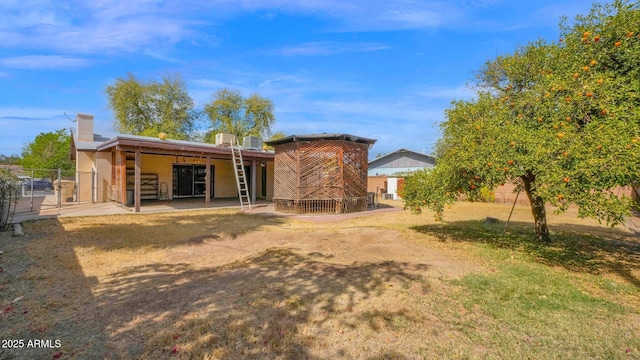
(584, 249)
(272, 305)
(277, 303)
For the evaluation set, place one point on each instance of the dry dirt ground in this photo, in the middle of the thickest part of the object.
(220, 285)
(225, 285)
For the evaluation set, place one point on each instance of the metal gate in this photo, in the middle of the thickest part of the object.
(43, 190)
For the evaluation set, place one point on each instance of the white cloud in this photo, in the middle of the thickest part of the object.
(30, 113)
(44, 62)
(90, 27)
(20, 125)
(328, 48)
(462, 92)
(96, 27)
(114, 26)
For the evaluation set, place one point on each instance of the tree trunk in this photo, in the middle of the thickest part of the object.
(537, 209)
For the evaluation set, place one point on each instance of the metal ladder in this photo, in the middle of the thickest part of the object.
(241, 179)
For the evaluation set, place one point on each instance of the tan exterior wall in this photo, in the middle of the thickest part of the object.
(84, 167)
(225, 179)
(270, 177)
(158, 165)
(376, 183)
(101, 163)
(103, 176)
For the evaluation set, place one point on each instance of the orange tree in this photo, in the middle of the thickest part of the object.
(560, 120)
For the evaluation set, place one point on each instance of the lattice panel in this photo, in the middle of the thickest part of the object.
(321, 176)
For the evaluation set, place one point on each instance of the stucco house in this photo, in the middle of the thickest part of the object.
(386, 174)
(128, 169)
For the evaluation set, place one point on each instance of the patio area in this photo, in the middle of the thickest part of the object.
(112, 208)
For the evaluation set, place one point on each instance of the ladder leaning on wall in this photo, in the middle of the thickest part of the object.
(241, 178)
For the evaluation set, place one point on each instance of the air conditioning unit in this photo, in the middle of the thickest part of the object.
(252, 142)
(225, 139)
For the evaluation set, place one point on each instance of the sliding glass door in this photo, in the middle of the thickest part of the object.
(189, 181)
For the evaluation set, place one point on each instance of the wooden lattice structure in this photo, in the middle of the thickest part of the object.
(325, 173)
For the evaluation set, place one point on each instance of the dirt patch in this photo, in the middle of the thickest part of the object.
(342, 246)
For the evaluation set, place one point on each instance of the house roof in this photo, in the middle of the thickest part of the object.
(401, 153)
(324, 136)
(157, 146)
(86, 145)
(171, 147)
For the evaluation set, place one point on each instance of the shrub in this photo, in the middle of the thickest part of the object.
(9, 194)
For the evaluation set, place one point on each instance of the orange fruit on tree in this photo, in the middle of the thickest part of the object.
(599, 147)
(600, 81)
(596, 38)
(585, 68)
(604, 111)
(560, 135)
(575, 75)
(589, 94)
(568, 99)
(565, 153)
(566, 179)
(585, 34)
(630, 34)
(568, 118)
(628, 146)
(593, 62)
(618, 43)
(560, 197)
(555, 126)
(510, 162)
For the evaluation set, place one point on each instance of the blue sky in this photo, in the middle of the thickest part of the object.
(380, 69)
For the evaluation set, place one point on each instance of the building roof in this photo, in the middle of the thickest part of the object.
(324, 136)
(162, 147)
(402, 152)
(158, 146)
(401, 161)
(86, 145)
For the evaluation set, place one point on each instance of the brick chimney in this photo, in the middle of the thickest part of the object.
(85, 127)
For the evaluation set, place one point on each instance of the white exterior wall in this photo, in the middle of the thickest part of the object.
(392, 187)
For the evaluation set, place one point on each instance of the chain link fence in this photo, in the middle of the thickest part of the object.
(51, 189)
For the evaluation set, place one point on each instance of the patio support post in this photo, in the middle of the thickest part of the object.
(207, 181)
(253, 181)
(137, 181)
